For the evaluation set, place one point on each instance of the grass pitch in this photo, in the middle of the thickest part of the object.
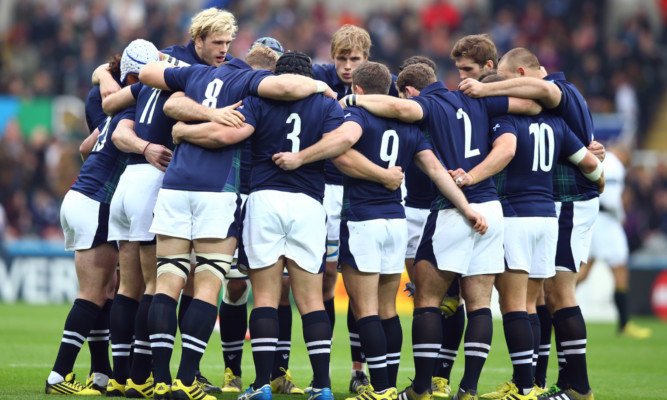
(619, 368)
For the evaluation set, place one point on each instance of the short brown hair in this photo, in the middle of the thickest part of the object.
(262, 57)
(374, 78)
(491, 77)
(349, 37)
(520, 57)
(416, 75)
(212, 20)
(478, 48)
(418, 60)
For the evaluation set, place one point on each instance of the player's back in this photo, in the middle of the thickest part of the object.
(387, 143)
(525, 186)
(289, 126)
(102, 169)
(193, 167)
(459, 131)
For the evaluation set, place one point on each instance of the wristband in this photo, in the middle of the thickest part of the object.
(595, 175)
(143, 153)
(350, 100)
(321, 87)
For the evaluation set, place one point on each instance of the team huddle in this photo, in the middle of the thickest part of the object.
(205, 171)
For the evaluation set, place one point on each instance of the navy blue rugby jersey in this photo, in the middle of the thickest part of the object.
(459, 129)
(101, 171)
(327, 73)
(421, 191)
(387, 143)
(193, 167)
(525, 186)
(569, 183)
(246, 160)
(95, 115)
(151, 123)
(289, 126)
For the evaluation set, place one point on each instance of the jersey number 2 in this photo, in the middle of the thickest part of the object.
(467, 130)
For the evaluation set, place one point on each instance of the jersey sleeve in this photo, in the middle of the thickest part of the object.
(135, 89)
(248, 109)
(421, 140)
(496, 105)
(355, 114)
(561, 108)
(334, 116)
(571, 143)
(501, 125)
(424, 103)
(256, 78)
(177, 78)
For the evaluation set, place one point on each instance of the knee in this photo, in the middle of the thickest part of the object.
(236, 292)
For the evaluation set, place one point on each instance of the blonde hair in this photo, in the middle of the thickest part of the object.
(212, 20)
(349, 37)
(262, 57)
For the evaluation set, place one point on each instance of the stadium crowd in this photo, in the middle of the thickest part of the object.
(51, 48)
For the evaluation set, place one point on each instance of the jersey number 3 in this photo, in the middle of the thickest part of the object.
(296, 130)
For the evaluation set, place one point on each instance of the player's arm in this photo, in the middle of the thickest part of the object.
(88, 143)
(210, 135)
(118, 101)
(182, 108)
(126, 140)
(292, 87)
(331, 145)
(103, 78)
(546, 92)
(386, 106)
(353, 163)
(504, 148)
(590, 166)
(429, 163)
(152, 74)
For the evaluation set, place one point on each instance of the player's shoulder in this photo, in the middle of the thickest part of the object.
(324, 72)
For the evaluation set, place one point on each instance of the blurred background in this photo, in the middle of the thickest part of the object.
(614, 51)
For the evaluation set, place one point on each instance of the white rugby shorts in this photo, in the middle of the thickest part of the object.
(450, 243)
(286, 224)
(85, 221)
(133, 203)
(530, 245)
(333, 203)
(374, 246)
(609, 242)
(196, 215)
(416, 219)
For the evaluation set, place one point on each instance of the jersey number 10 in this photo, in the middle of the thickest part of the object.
(543, 133)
